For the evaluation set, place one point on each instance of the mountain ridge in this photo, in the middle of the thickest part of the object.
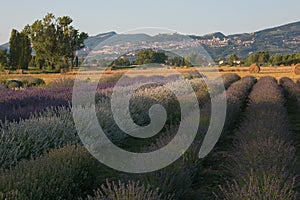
(280, 39)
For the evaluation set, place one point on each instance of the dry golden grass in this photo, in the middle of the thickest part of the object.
(277, 72)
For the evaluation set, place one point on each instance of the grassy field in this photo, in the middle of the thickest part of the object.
(277, 72)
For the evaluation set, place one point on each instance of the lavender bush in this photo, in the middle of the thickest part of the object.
(292, 90)
(237, 95)
(298, 81)
(30, 138)
(267, 186)
(229, 78)
(20, 104)
(66, 173)
(177, 178)
(128, 191)
(210, 174)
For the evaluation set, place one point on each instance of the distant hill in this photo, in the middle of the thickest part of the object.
(4, 46)
(93, 41)
(282, 39)
(214, 35)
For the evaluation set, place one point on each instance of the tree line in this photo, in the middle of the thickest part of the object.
(50, 43)
(148, 56)
(263, 58)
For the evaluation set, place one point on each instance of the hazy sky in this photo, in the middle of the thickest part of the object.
(185, 16)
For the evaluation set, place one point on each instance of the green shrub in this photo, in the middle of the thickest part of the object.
(33, 82)
(3, 82)
(23, 82)
(67, 82)
(66, 173)
(12, 84)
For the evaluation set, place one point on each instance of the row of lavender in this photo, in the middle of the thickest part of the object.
(262, 160)
(176, 180)
(292, 89)
(20, 104)
(210, 175)
(292, 93)
(52, 129)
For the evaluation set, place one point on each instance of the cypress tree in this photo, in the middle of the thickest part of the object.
(20, 50)
(13, 49)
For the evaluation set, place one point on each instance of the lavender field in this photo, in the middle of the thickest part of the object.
(256, 158)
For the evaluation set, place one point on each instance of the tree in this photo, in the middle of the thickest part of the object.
(276, 60)
(25, 50)
(159, 57)
(13, 49)
(144, 57)
(289, 59)
(196, 59)
(3, 58)
(20, 50)
(71, 39)
(122, 61)
(297, 56)
(232, 59)
(179, 61)
(55, 41)
(260, 58)
(148, 56)
(253, 58)
(263, 57)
